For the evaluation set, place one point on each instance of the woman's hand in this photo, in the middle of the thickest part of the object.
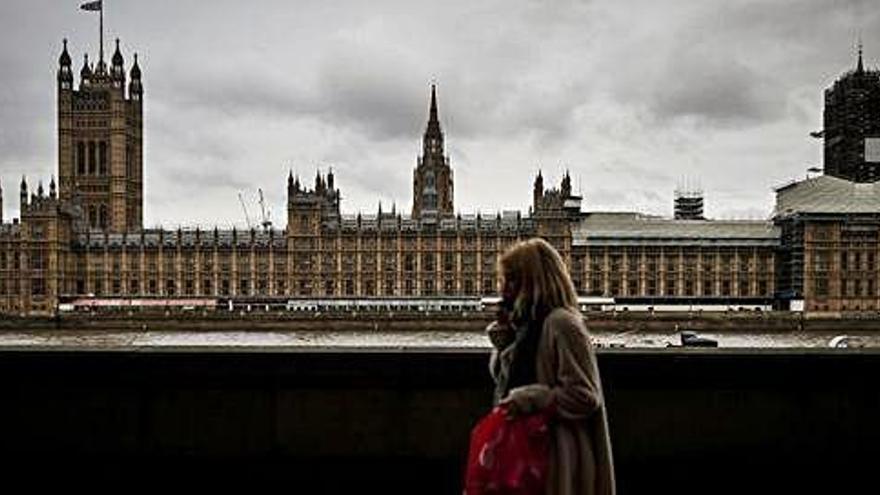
(527, 399)
(500, 334)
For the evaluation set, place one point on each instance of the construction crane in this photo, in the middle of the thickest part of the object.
(266, 223)
(246, 216)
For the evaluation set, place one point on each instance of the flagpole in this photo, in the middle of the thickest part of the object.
(101, 29)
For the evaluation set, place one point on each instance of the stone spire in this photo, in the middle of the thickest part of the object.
(86, 73)
(65, 74)
(117, 72)
(433, 133)
(23, 195)
(538, 191)
(117, 56)
(135, 86)
(860, 68)
(432, 178)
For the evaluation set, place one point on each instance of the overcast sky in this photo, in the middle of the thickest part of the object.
(633, 97)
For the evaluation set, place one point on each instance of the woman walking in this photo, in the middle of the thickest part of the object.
(542, 359)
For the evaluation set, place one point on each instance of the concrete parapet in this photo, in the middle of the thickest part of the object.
(682, 421)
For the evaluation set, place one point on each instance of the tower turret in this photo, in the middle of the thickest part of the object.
(100, 143)
(85, 74)
(117, 72)
(860, 68)
(538, 192)
(135, 87)
(432, 179)
(433, 140)
(566, 185)
(23, 195)
(65, 99)
(65, 73)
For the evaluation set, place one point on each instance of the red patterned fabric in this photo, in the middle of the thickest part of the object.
(508, 455)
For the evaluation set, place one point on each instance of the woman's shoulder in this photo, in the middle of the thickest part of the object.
(561, 319)
(565, 327)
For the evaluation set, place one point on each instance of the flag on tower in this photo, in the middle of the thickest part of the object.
(93, 6)
(97, 6)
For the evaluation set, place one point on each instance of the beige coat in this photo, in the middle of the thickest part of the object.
(580, 458)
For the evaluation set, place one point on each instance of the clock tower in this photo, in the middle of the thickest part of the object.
(432, 178)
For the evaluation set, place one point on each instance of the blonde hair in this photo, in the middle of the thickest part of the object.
(541, 275)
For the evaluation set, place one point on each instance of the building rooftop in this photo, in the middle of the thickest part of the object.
(507, 221)
(827, 195)
(607, 228)
(189, 237)
(186, 238)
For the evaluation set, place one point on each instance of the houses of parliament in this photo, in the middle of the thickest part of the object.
(84, 236)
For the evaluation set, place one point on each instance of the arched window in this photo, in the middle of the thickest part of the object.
(429, 201)
(81, 158)
(102, 158)
(129, 170)
(92, 158)
(103, 217)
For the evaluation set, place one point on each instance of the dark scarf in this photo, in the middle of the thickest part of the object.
(524, 366)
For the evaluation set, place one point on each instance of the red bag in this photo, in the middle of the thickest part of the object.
(508, 456)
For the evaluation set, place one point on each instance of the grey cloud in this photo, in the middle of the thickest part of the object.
(196, 143)
(629, 94)
(380, 86)
(797, 22)
(376, 107)
(371, 173)
(715, 91)
(734, 64)
(390, 107)
(25, 144)
(189, 180)
(647, 172)
(602, 198)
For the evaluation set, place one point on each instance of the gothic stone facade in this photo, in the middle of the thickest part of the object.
(641, 256)
(830, 243)
(100, 142)
(86, 237)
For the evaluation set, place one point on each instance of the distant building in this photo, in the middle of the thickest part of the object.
(85, 237)
(828, 253)
(852, 125)
(634, 255)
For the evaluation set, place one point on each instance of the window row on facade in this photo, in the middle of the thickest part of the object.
(93, 159)
(105, 285)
